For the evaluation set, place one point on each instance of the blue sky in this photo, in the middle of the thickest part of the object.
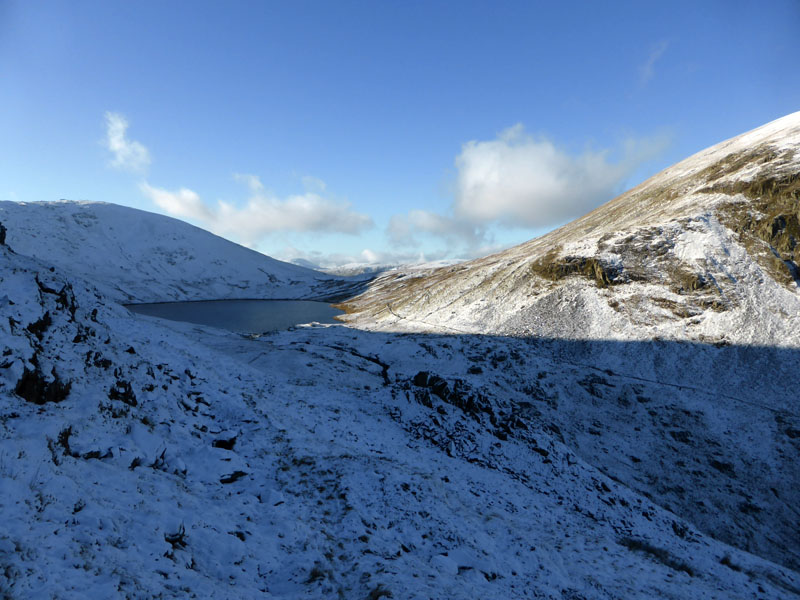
(377, 131)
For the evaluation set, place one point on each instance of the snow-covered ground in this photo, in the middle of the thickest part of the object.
(172, 460)
(142, 458)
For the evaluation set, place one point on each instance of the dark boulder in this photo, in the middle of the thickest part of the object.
(34, 387)
(123, 392)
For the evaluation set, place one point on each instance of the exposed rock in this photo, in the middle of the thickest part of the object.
(123, 392)
(34, 387)
(39, 326)
(226, 443)
(233, 477)
(554, 267)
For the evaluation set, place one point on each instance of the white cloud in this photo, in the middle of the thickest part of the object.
(304, 212)
(367, 256)
(517, 180)
(183, 203)
(263, 213)
(647, 70)
(128, 154)
(403, 230)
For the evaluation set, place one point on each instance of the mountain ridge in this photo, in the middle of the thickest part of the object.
(700, 250)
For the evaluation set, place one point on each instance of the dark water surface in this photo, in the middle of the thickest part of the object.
(242, 316)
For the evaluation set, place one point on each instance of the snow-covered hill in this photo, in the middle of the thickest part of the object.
(141, 459)
(707, 250)
(137, 256)
(614, 455)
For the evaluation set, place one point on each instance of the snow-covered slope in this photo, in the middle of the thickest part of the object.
(707, 250)
(137, 256)
(141, 459)
(146, 459)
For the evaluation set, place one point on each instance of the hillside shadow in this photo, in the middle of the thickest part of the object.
(709, 432)
(342, 288)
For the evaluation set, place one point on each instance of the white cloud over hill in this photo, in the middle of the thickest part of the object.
(128, 155)
(518, 180)
(263, 213)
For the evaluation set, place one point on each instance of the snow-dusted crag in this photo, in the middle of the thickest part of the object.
(137, 256)
(707, 250)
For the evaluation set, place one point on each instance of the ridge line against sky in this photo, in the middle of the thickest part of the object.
(377, 132)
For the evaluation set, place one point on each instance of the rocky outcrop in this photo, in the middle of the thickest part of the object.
(556, 268)
(35, 387)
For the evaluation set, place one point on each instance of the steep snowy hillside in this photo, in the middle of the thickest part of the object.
(144, 459)
(614, 453)
(136, 256)
(707, 250)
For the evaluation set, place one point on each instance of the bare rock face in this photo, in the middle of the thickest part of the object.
(707, 250)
